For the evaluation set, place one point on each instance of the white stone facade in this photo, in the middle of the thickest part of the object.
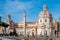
(45, 22)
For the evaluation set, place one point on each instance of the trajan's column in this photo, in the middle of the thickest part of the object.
(24, 21)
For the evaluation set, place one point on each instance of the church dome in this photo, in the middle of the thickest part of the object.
(45, 12)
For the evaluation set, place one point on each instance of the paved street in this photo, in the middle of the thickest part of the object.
(24, 38)
(28, 38)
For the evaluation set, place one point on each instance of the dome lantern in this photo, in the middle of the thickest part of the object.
(45, 7)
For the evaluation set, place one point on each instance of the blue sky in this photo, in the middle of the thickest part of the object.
(33, 8)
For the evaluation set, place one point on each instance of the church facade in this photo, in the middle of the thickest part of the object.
(43, 26)
(45, 22)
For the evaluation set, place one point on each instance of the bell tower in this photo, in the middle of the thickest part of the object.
(8, 20)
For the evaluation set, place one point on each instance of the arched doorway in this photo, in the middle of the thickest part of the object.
(46, 33)
(33, 33)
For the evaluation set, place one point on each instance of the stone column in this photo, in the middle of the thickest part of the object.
(24, 21)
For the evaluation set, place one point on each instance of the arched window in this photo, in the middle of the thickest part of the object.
(50, 20)
(40, 20)
(45, 20)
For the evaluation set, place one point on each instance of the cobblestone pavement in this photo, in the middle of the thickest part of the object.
(28, 38)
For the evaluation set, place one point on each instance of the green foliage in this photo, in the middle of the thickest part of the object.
(3, 24)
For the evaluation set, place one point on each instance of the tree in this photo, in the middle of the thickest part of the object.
(14, 31)
(0, 18)
(4, 25)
